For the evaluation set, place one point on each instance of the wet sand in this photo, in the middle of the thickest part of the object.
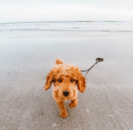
(107, 103)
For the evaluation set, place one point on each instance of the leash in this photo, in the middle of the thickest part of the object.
(97, 61)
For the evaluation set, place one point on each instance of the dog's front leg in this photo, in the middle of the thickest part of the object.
(63, 112)
(73, 103)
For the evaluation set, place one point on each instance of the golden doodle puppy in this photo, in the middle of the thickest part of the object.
(67, 80)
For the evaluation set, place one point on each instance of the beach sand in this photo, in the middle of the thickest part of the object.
(107, 103)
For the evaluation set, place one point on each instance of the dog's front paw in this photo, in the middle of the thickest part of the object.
(72, 105)
(63, 114)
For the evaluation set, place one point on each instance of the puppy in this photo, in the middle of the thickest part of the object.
(67, 80)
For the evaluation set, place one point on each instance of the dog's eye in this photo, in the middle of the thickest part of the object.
(59, 80)
(72, 80)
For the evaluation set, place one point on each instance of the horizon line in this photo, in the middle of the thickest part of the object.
(67, 21)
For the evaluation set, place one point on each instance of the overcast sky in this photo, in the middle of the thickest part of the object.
(65, 10)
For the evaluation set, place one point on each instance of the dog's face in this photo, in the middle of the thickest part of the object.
(66, 80)
(65, 87)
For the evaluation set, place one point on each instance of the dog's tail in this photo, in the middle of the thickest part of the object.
(58, 61)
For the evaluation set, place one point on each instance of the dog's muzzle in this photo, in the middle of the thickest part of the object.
(65, 93)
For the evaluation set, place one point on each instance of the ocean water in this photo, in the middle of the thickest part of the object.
(65, 29)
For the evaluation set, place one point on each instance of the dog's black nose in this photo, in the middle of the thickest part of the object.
(65, 93)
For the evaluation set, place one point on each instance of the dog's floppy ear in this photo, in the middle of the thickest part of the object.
(58, 61)
(49, 80)
(81, 82)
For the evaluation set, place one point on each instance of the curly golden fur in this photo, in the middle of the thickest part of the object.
(67, 80)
